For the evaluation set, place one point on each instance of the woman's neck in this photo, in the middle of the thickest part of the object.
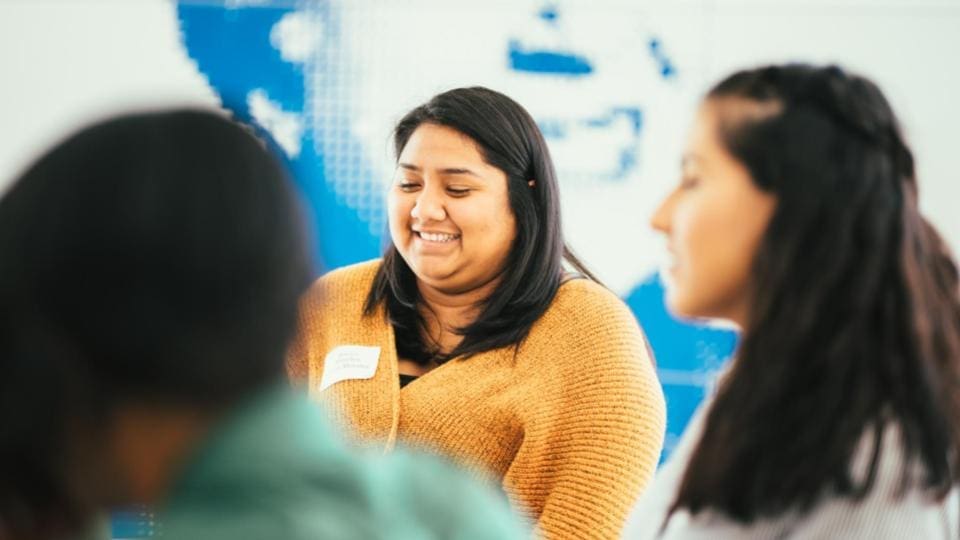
(444, 312)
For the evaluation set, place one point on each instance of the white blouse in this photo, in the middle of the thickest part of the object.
(880, 515)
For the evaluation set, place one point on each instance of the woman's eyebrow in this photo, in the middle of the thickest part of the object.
(459, 170)
(445, 170)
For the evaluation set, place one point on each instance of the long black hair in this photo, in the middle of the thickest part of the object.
(508, 139)
(155, 258)
(855, 324)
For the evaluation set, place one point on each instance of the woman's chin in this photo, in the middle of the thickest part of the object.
(436, 275)
(686, 309)
(681, 306)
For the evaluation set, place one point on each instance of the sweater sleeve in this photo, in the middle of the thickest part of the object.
(310, 331)
(594, 437)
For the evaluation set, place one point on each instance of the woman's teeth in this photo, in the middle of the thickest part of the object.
(438, 237)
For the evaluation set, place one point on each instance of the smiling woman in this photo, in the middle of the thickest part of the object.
(450, 216)
(476, 342)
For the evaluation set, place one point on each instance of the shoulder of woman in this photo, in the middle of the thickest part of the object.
(588, 321)
(332, 305)
(345, 283)
(584, 302)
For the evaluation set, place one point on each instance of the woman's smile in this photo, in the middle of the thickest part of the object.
(435, 243)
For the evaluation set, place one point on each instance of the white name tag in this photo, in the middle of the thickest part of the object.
(346, 362)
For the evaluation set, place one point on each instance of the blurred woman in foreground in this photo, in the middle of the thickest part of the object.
(151, 268)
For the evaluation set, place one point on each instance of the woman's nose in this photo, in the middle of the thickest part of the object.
(429, 207)
(663, 215)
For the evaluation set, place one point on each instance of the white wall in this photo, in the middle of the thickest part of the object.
(64, 63)
(908, 47)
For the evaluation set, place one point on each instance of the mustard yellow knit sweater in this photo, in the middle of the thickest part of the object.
(572, 422)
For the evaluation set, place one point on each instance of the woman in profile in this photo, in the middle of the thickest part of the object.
(469, 337)
(796, 218)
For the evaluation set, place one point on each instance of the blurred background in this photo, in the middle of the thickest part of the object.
(613, 85)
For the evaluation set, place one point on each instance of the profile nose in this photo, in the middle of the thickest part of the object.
(663, 215)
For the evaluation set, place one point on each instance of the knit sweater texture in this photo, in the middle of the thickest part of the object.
(571, 422)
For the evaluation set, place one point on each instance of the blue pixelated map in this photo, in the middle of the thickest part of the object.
(329, 79)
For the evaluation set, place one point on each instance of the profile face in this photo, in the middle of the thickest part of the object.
(714, 221)
(449, 211)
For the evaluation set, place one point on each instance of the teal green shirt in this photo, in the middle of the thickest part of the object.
(275, 470)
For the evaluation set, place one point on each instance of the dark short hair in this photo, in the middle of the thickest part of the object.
(508, 139)
(156, 258)
(855, 322)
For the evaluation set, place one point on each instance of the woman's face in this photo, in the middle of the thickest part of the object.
(450, 215)
(714, 221)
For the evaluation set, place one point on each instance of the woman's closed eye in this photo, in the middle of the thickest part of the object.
(407, 185)
(458, 191)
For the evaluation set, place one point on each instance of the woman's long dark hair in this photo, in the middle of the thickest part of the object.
(508, 139)
(855, 324)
